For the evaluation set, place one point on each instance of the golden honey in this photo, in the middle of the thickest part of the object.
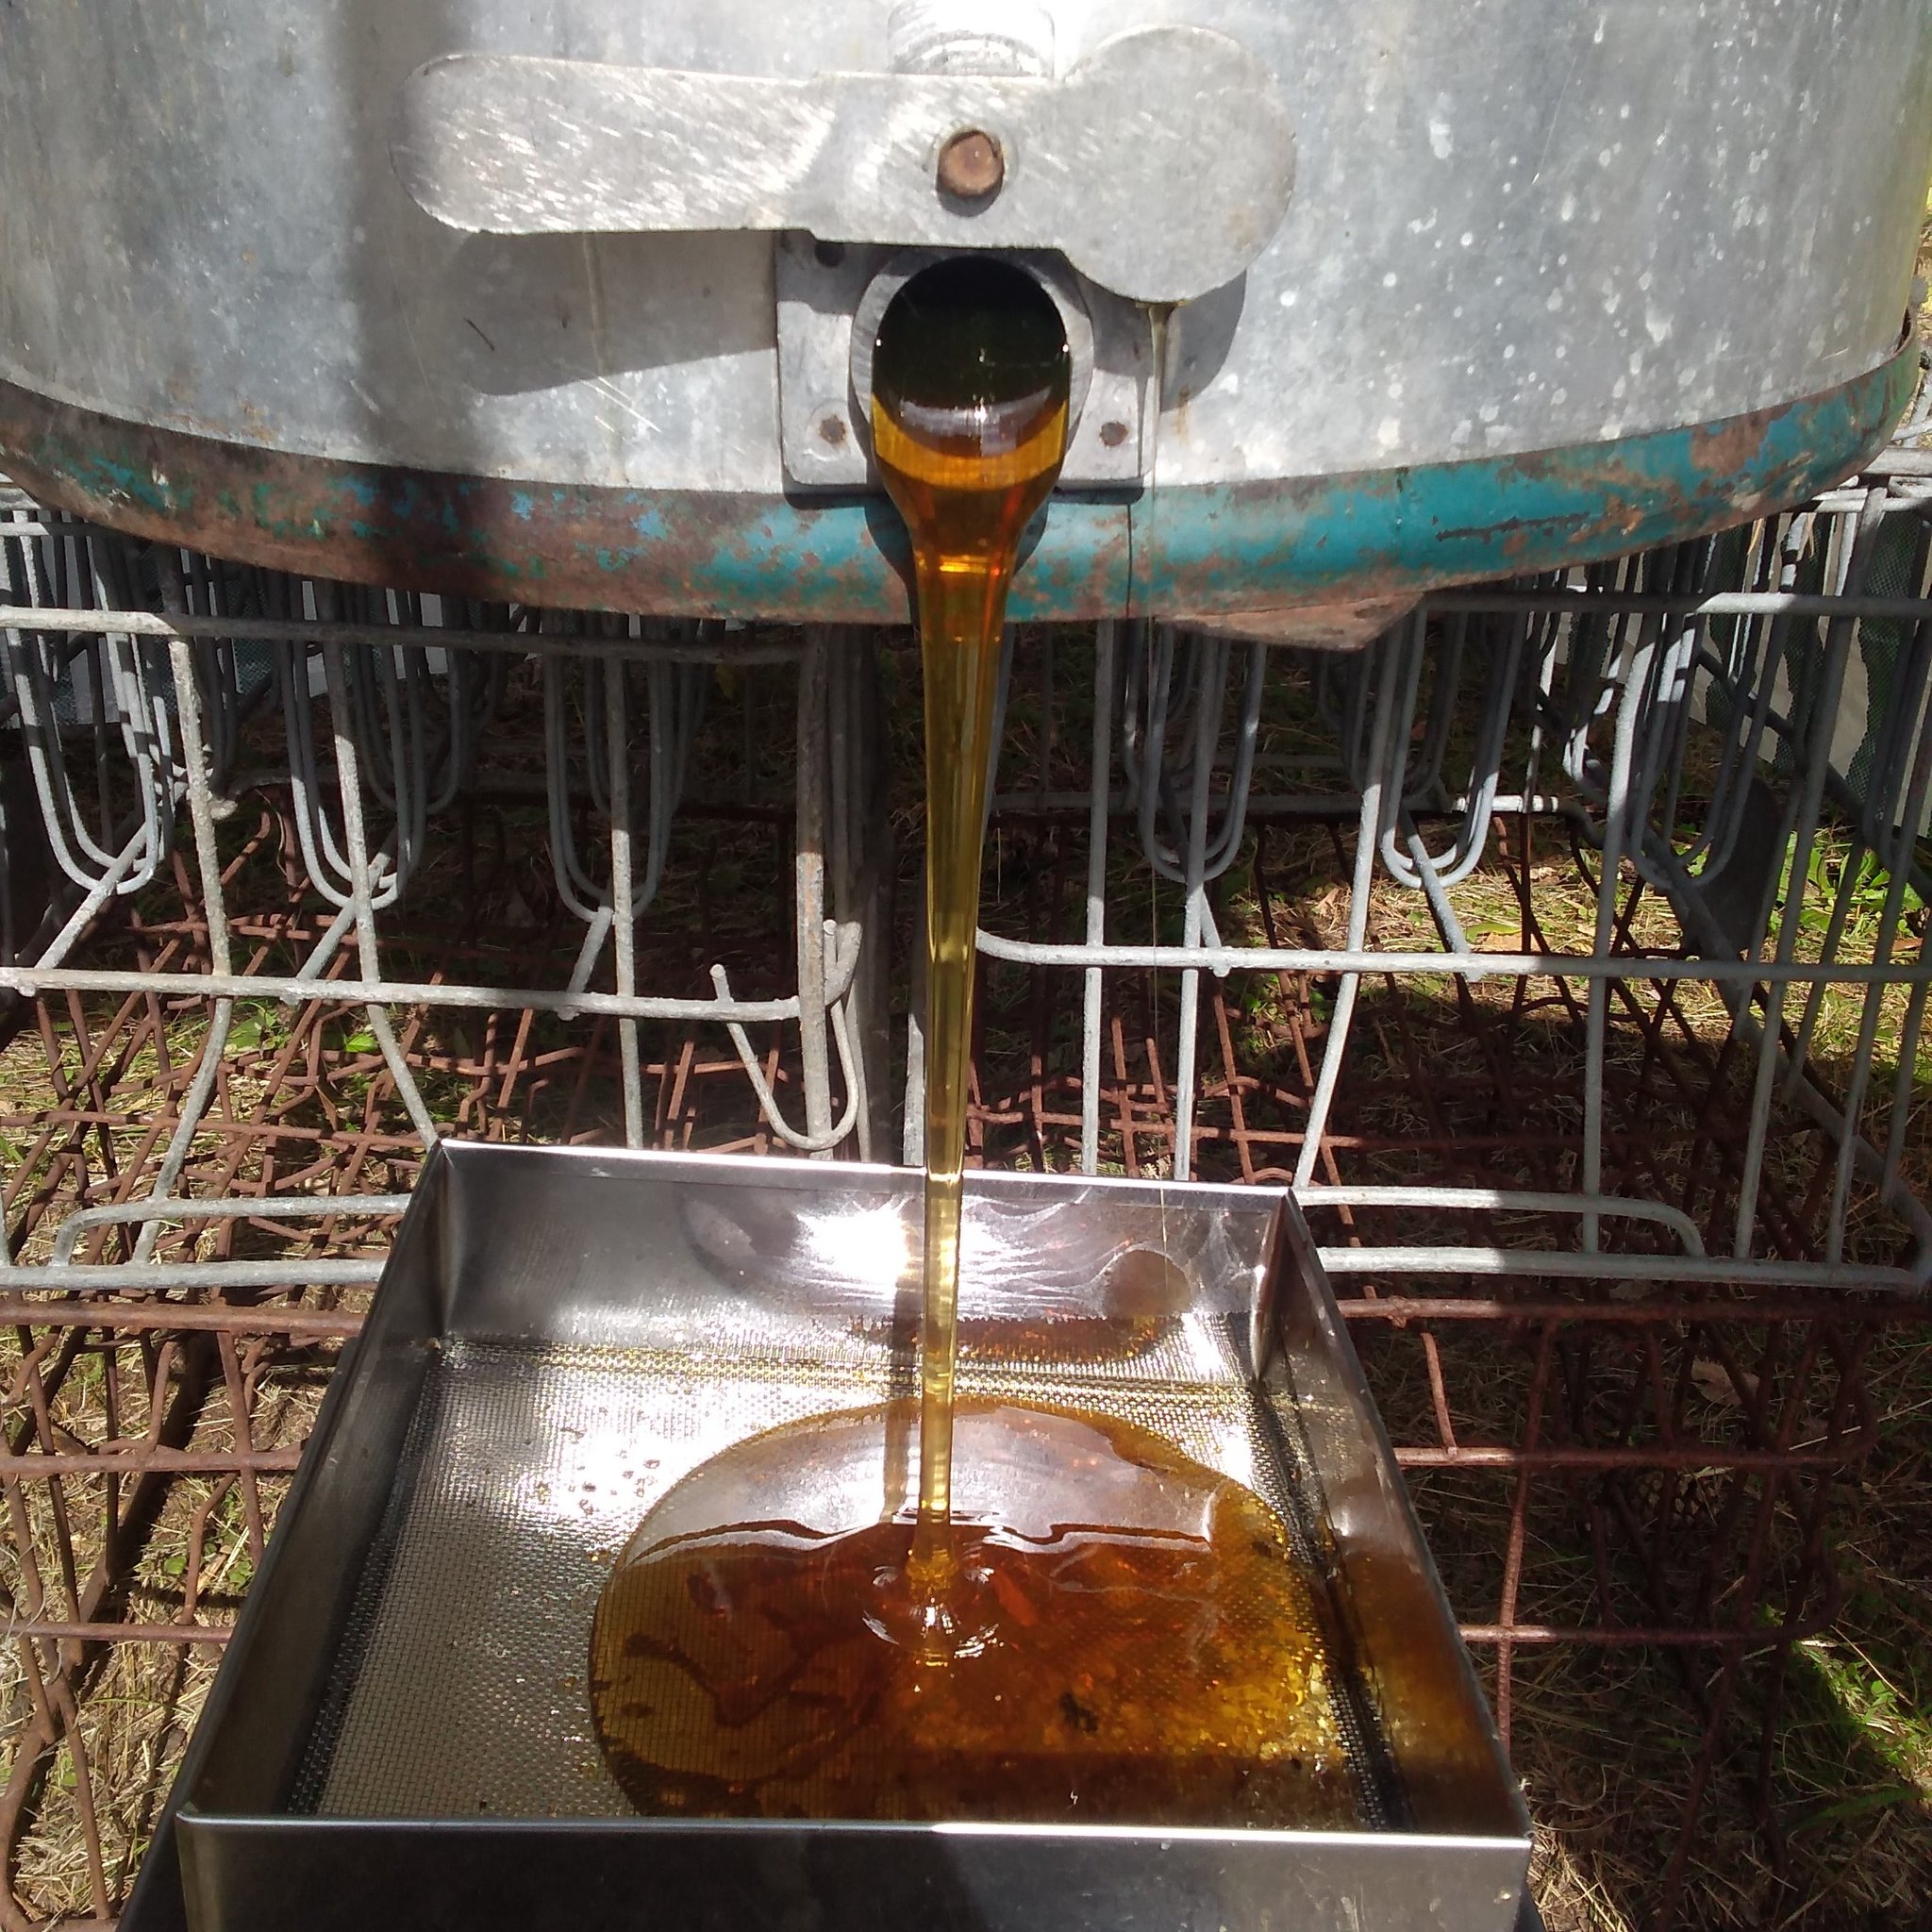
(1165, 1666)
(1080, 1623)
(969, 386)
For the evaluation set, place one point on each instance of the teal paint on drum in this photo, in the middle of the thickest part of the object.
(1193, 551)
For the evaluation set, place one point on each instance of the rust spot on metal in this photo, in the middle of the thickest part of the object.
(1730, 448)
(972, 165)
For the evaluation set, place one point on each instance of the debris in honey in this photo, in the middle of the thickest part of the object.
(1148, 1645)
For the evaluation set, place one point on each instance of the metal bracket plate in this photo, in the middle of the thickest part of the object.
(1161, 166)
(825, 402)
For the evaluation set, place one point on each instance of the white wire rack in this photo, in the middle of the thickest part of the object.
(1800, 646)
(1574, 701)
(121, 726)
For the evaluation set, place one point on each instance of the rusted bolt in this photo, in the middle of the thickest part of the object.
(1113, 434)
(971, 166)
(828, 430)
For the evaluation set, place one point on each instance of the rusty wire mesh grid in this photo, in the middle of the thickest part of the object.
(1637, 1471)
(1632, 1469)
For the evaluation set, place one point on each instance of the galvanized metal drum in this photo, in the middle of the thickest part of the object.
(570, 302)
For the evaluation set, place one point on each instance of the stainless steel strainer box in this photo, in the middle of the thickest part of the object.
(401, 1736)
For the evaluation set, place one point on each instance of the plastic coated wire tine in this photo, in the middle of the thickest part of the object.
(462, 679)
(1544, 661)
(121, 700)
(1153, 781)
(662, 682)
(1227, 841)
(214, 909)
(1822, 714)
(1131, 651)
(409, 688)
(673, 714)
(1637, 678)
(573, 885)
(96, 896)
(1185, 668)
(346, 601)
(349, 786)
(1759, 672)
(1406, 667)
(1213, 662)
(1894, 855)
(1100, 786)
(1843, 897)
(328, 869)
(1368, 838)
(1653, 853)
(616, 714)
(1417, 865)
(1424, 786)
(1648, 751)
(73, 849)
(819, 1146)
(1902, 1085)
(1693, 639)
(144, 739)
(809, 891)
(1726, 676)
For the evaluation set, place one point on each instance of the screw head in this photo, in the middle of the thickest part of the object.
(972, 165)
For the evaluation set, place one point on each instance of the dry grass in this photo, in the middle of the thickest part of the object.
(1602, 1737)
(1605, 1738)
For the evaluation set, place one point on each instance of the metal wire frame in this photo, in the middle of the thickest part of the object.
(1593, 687)
(273, 1229)
(387, 756)
(162, 703)
(1641, 648)
(1533, 1385)
(1647, 1591)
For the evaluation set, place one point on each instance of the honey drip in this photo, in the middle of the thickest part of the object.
(970, 382)
(1059, 1617)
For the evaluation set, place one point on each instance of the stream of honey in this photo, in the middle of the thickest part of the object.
(969, 386)
(1078, 1622)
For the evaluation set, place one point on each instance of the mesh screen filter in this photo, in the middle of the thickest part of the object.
(460, 1687)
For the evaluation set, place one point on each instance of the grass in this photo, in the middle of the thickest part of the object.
(1603, 1737)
